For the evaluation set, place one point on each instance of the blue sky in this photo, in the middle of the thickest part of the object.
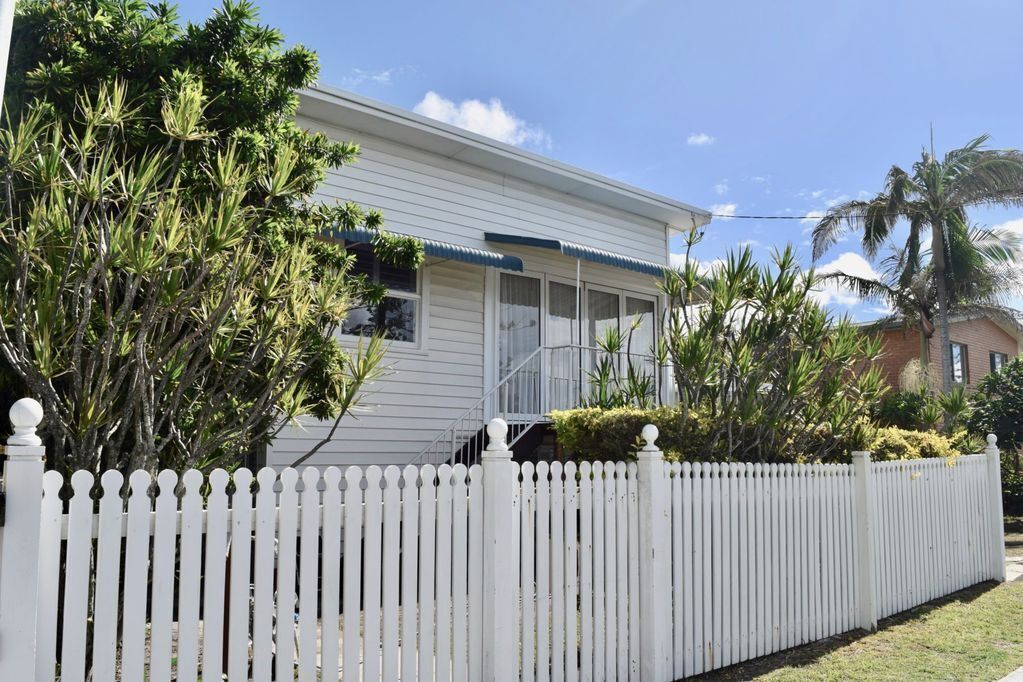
(755, 108)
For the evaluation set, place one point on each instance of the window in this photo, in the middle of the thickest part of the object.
(396, 316)
(960, 366)
(998, 360)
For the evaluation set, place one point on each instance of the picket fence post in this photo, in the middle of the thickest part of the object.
(654, 561)
(500, 635)
(994, 471)
(19, 556)
(865, 538)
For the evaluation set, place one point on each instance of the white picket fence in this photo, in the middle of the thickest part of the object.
(644, 570)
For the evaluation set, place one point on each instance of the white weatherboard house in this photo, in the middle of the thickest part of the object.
(494, 323)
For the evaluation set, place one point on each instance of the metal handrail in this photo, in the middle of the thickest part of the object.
(445, 434)
(462, 431)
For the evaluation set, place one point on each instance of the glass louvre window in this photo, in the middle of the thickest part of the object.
(396, 316)
(960, 370)
(998, 360)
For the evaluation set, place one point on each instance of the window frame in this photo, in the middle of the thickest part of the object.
(964, 357)
(1004, 357)
(420, 296)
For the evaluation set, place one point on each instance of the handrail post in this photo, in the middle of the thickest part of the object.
(19, 558)
(865, 525)
(499, 566)
(997, 528)
(654, 503)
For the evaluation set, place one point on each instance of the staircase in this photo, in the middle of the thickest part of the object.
(518, 398)
(550, 378)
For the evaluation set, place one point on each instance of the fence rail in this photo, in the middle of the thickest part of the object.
(641, 570)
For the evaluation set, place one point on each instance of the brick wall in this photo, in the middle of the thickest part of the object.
(981, 337)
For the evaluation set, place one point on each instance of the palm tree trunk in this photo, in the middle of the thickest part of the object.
(944, 334)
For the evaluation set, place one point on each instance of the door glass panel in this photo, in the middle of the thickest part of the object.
(563, 340)
(640, 324)
(603, 314)
(518, 336)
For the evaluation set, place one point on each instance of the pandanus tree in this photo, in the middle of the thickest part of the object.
(166, 290)
(933, 200)
(773, 372)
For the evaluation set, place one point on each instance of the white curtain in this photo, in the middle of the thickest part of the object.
(518, 336)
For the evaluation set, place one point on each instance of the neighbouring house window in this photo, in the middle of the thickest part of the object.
(396, 316)
(960, 368)
(998, 360)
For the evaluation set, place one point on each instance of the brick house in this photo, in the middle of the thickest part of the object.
(980, 344)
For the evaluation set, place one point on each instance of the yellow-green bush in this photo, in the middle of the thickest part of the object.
(613, 434)
(891, 443)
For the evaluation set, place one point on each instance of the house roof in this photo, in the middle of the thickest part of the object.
(361, 114)
(1010, 323)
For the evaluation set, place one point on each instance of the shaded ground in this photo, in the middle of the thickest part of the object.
(975, 634)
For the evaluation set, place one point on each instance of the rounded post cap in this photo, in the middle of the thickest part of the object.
(649, 434)
(497, 434)
(992, 439)
(25, 416)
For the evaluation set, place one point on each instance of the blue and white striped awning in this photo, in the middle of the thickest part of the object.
(583, 252)
(431, 247)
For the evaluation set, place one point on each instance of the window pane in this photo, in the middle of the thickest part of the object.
(603, 309)
(640, 311)
(562, 328)
(361, 321)
(396, 317)
(363, 259)
(397, 279)
(519, 320)
(958, 362)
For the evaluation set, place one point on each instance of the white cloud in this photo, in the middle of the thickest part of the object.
(357, 77)
(699, 140)
(724, 211)
(486, 118)
(850, 263)
(678, 260)
(1015, 226)
(811, 218)
(751, 243)
(721, 188)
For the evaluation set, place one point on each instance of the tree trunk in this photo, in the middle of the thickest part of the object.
(944, 334)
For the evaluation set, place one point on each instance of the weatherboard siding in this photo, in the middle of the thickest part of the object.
(433, 196)
(423, 391)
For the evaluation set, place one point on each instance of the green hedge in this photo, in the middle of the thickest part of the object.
(613, 434)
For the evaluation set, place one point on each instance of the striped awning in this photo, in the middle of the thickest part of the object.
(580, 251)
(432, 247)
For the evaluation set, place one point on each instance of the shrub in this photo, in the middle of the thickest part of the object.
(998, 406)
(592, 433)
(775, 373)
(892, 443)
(901, 409)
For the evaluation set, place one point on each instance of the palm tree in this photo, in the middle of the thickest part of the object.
(980, 286)
(936, 195)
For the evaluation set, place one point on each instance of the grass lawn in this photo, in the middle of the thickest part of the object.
(975, 634)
